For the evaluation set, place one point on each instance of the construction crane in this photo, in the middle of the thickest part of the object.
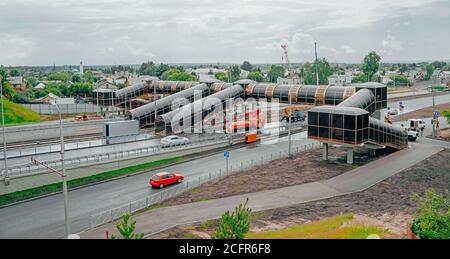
(291, 73)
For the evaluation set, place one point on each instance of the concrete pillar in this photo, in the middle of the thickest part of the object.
(325, 151)
(373, 152)
(350, 155)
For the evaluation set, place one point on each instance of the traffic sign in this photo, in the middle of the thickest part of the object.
(436, 115)
(226, 153)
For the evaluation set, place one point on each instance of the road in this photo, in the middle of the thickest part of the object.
(419, 103)
(43, 218)
(355, 180)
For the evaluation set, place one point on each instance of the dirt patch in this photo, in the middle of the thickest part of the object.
(388, 204)
(422, 113)
(304, 168)
(444, 134)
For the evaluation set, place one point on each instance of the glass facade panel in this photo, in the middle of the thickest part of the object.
(324, 119)
(350, 122)
(338, 121)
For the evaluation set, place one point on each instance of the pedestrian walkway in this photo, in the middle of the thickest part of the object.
(353, 181)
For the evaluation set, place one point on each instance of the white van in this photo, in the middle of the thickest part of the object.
(417, 124)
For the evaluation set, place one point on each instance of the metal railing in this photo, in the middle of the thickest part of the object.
(31, 169)
(189, 183)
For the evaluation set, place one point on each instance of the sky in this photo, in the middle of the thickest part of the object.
(113, 32)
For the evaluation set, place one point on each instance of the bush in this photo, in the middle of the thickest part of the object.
(235, 225)
(432, 220)
(126, 229)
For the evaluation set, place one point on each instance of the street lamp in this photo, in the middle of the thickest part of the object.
(6, 176)
(289, 128)
(61, 173)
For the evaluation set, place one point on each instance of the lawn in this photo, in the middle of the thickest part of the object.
(329, 228)
(56, 187)
(17, 114)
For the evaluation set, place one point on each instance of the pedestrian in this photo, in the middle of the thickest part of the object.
(421, 132)
(437, 123)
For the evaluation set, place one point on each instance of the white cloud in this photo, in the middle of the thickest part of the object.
(391, 45)
(206, 30)
(348, 49)
(16, 49)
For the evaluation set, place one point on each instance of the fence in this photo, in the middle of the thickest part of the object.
(65, 108)
(189, 183)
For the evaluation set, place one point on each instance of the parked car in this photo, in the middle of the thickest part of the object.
(160, 180)
(393, 112)
(174, 140)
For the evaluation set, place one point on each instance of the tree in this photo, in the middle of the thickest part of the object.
(360, 78)
(31, 82)
(14, 72)
(403, 68)
(275, 72)
(308, 72)
(177, 74)
(439, 64)
(235, 225)
(127, 229)
(256, 76)
(246, 66)
(76, 78)
(4, 76)
(222, 76)
(235, 73)
(82, 89)
(399, 80)
(446, 114)
(429, 68)
(371, 64)
(432, 220)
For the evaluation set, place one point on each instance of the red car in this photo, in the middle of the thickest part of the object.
(160, 180)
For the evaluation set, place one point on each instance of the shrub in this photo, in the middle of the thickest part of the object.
(235, 225)
(432, 220)
(127, 229)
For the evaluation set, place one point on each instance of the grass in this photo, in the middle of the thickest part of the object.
(56, 187)
(17, 114)
(329, 228)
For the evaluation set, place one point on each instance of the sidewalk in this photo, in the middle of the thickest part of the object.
(353, 181)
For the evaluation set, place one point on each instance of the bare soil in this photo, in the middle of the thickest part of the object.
(388, 204)
(422, 113)
(304, 168)
(444, 134)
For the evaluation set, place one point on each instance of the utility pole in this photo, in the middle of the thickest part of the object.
(434, 119)
(289, 129)
(61, 173)
(6, 176)
(156, 107)
(317, 64)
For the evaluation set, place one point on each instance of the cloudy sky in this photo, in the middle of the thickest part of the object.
(43, 32)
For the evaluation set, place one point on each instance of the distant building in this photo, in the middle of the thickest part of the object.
(40, 86)
(340, 80)
(289, 81)
(17, 82)
(81, 68)
(105, 84)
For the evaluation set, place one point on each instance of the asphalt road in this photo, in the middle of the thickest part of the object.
(44, 218)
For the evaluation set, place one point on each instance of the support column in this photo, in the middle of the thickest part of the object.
(350, 155)
(373, 152)
(325, 151)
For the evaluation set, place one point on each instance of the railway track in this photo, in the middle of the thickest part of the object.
(68, 139)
